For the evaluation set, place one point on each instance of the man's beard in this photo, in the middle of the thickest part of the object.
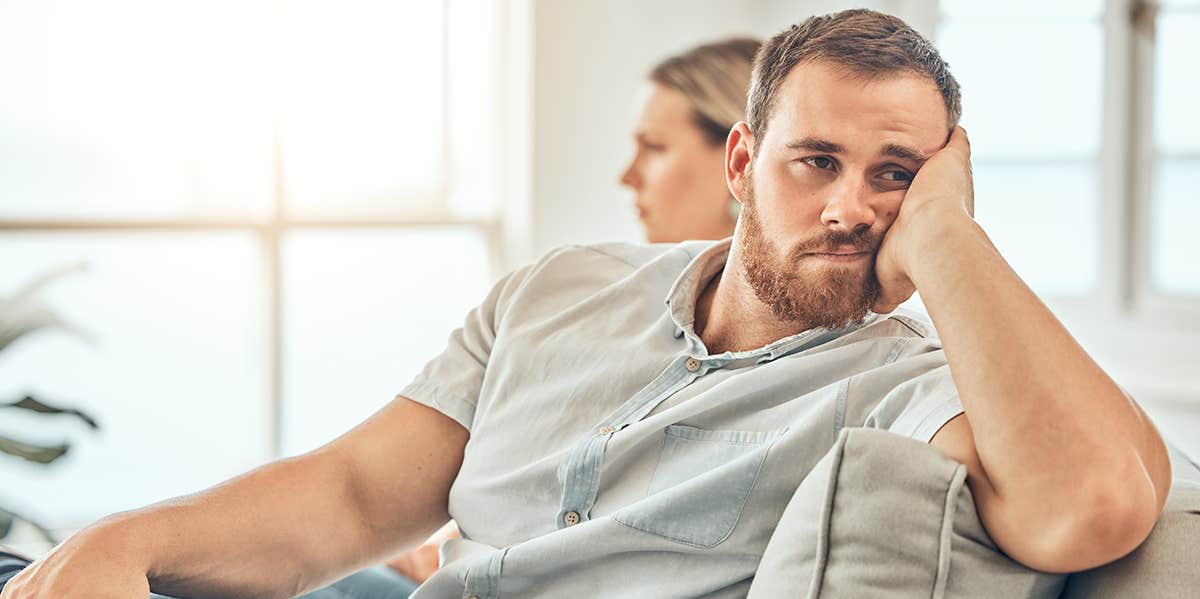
(801, 288)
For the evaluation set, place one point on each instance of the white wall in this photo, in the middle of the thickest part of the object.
(589, 59)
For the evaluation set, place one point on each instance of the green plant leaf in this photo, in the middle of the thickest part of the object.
(22, 313)
(17, 321)
(43, 280)
(38, 454)
(33, 405)
(8, 519)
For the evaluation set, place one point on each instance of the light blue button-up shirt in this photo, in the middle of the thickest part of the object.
(611, 455)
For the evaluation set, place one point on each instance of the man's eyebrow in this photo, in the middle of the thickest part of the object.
(816, 145)
(904, 152)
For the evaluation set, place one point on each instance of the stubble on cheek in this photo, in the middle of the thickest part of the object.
(800, 288)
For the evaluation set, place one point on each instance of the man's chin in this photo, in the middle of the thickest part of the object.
(837, 299)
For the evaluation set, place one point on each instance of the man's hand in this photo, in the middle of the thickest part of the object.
(420, 563)
(941, 191)
(86, 566)
(286, 527)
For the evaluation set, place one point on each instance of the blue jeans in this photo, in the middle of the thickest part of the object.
(378, 582)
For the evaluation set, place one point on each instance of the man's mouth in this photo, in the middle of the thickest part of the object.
(845, 253)
(847, 257)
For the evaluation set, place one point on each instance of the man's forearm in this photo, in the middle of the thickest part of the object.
(273, 532)
(1050, 428)
(284, 528)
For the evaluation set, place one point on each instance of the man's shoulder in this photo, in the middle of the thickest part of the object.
(633, 254)
(610, 275)
(910, 322)
(910, 331)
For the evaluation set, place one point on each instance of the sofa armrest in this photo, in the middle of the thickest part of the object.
(883, 515)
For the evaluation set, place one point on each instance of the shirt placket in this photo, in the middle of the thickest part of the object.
(580, 473)
(482, 578)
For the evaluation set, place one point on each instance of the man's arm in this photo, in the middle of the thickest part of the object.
(1067, 472)
(277, 531)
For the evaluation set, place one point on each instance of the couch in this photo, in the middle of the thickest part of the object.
(896, 519)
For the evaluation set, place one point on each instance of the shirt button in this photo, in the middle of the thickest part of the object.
(693, 365)
(607, 430)
(571, 518)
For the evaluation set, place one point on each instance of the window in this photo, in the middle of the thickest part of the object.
(1031, 74)
(1082, 119)
(283, 207)
(1084, 128)
(1175, 150)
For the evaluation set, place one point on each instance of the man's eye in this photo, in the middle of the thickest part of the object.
(821, 162)
(898, 176)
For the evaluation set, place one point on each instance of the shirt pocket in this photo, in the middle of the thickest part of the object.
(700, 485)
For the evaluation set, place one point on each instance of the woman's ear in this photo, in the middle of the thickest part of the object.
(739, 153)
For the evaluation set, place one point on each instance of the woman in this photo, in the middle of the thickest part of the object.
(677, 173)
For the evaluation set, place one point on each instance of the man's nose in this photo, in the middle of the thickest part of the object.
(849, 207)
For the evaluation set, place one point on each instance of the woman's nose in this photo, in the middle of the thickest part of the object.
(629, 176)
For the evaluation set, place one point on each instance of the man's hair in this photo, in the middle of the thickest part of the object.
(714, 78)
(864, 42)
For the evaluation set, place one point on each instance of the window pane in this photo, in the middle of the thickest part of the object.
(1044, 219)
(1174, 243)
(1029, 88)
(173, 372)
(1023, 8)
(474, 106)
(1176, 87)
(363, 312)
(362, 107)
(128, 109)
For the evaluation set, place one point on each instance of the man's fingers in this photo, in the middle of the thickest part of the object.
(888, 302)
(960, 141)
(885, 307)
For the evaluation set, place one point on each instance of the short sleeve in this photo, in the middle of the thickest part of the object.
(450, 383)
(920, 406)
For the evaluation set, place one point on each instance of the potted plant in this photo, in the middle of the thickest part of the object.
(21, 315)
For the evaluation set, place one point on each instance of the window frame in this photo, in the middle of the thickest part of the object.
(500, 228)
(1148, 302)
(1140, 335)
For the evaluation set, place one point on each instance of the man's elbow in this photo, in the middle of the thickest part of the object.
(1109, 525)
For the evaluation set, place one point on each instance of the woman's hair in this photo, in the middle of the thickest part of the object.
(714, 78)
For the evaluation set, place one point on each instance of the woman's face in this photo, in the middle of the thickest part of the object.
(677, 175)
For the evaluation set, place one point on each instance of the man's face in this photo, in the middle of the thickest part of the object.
(825, 183)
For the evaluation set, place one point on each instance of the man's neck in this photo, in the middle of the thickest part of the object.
(729, 317)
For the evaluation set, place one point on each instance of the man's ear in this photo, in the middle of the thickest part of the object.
(739, 153)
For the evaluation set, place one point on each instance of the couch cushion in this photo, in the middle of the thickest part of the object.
(883, 515)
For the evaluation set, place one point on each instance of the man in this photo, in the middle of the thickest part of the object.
(591, 441)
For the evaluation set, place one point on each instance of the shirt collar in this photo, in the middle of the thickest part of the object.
(681, 299)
